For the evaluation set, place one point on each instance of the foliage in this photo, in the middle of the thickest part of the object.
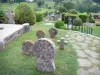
(77, 21)
(2, 13)
(69, 5)
(72, 11)
(62, 9)
(39, 17)
(83, 17)
(63, 27)
(24, 14)
(95, 8)
(66, 17)
(59, 23)
(97, 1)
(40, 3)
(3, 17)
(97, 23)
(91, 19)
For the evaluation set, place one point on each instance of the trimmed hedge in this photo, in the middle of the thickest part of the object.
(77, 21)
(39, 17)
(97, 23)
(59, 24)
(72, 11)
(83, 17)
(24, 14)
(73, 16)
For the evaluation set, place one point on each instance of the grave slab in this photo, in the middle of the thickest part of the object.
(9, 33)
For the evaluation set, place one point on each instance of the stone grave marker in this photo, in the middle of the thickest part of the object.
(44, 50)
(62, 43)
(40, 34)
(27, 47)
(10, 16)
(53, 32)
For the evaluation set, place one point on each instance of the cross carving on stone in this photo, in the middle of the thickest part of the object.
(62, 42)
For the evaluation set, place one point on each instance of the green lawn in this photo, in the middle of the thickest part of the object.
(96, 31)
(14, 62)
(5, 6)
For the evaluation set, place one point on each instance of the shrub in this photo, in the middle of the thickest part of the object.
(97, 23)
(24, 14)
(62, 16)
(72, 11)
(3, 17)
(91, 19)
(59, 23)
(39, 17)
(63, 27)
(73, 16)
(62, 9)
(83, 17)
(77, 21)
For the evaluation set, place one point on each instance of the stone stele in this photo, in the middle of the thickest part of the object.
(44, 50)
(27, 47)
(40, 34)
(10, 16)
(53, 32)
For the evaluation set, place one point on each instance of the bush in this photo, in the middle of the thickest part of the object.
(72, 11)
(24, 14)
(63, 27)
(62, 9)
(83, 17)
(39, 17)
(91, 19)
(3, 17)
(63, 16)
(77, 21)
(59, 23)
(97, 23)
(73, 16)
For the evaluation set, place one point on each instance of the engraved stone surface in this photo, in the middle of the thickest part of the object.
(40, 34)
(84, 63)
(81, 71)
(27, 47)
(44, 50)
(10, 16)
(53, 32)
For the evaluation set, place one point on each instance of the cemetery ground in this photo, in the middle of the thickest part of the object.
(14, 62)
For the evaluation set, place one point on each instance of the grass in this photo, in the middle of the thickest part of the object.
(96, 31)
(14, 62)
(5, 6)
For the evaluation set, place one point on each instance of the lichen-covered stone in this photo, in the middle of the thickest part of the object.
(53, 32)
(27, 47)
(44, 50)
(40, 34)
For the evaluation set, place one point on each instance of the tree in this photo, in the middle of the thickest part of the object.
(97, 1)
(69, 5)
(62, 9)
(40, 3)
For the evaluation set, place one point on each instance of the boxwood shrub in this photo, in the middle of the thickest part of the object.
(73, 16)
(77, 21)
(59, 24)
(24, 14)
(83, 17)
(39, 17)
